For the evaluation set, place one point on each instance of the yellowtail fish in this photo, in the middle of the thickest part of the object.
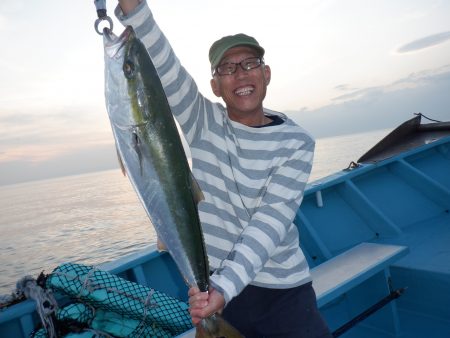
(152, 156)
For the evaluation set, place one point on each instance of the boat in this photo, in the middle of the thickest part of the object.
(376, 236)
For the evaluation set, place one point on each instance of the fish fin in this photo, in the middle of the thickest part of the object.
(196, 190)
(122, 167)
(137, 144)
(216, 327)
(160, 245)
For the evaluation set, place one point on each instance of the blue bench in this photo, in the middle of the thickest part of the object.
(340, 274)
(355, 285)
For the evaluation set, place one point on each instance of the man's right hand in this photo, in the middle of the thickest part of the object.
(128, 5)
(204, 304)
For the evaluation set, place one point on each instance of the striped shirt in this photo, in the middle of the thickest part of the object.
(252, 178)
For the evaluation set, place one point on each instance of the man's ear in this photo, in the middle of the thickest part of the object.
(267, 74)
(215, 87)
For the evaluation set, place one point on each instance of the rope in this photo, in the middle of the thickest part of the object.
(352, 165)
(45, 302)
(90, 286)
(429, 119)
(11, 299)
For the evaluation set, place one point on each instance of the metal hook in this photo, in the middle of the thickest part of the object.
(97, 23)
(101, 13)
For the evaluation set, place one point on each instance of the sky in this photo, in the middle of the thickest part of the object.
(337, 67)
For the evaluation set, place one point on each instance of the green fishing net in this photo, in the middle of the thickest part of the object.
(107, 305)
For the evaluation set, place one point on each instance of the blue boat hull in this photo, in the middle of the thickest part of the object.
(367, 232)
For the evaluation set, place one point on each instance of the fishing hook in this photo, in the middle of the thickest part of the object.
(100, 5)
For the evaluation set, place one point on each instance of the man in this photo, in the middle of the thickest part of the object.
(252, 165)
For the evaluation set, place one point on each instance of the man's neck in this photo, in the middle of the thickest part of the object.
(250, 120)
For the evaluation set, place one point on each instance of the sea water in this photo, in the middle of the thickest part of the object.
(97, 217)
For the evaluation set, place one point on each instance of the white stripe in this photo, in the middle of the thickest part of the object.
(255, 143)
(250, 255)
(171, 75)
(179, 95)
(151, 37)
(284, 192)
(215, 220)
(275, 224)
(261, 237)
(162, 56)
(219, 243)
(226, 284)
(184, 116)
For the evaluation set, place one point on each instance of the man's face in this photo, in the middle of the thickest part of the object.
(243, 91)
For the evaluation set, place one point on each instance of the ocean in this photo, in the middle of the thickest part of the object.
(97, 217)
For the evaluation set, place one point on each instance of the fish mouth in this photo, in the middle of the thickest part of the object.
(113, 44)
(245, 90)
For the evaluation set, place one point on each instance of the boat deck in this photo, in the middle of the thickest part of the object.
(430, 241)
(425, 271)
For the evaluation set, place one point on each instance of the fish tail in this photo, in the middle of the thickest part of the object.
(216, 327)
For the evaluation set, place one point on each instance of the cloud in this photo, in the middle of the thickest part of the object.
(381, 107)
(47, 134)
(413, 80)
(423, 43)
(366, 92)
(344, 87)
(82, 160)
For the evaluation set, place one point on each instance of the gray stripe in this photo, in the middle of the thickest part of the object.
(284, 256)
(230, 185)
(232, 276)
(167, 67)
(190, 125)
(212, 209)
(284, 273)
(226, 158)
(269, 231)
(242, 260)
(299, 164)
(262, 154)
(187, 100)
(219, 232)
(274, 213)
(146, 27)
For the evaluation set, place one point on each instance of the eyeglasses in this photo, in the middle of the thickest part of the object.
(229, 68)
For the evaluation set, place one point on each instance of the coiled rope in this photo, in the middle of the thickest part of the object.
(46, 305)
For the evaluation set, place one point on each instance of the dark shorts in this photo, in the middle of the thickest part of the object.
(282, 313)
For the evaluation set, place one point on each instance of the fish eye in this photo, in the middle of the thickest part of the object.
(128, 69)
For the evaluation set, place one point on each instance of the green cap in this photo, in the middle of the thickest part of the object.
(219, 47)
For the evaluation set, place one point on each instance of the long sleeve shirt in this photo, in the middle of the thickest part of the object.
(252, 178)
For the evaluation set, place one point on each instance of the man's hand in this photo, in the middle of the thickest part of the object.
(204, 304)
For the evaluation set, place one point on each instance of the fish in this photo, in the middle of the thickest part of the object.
(151, 154)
